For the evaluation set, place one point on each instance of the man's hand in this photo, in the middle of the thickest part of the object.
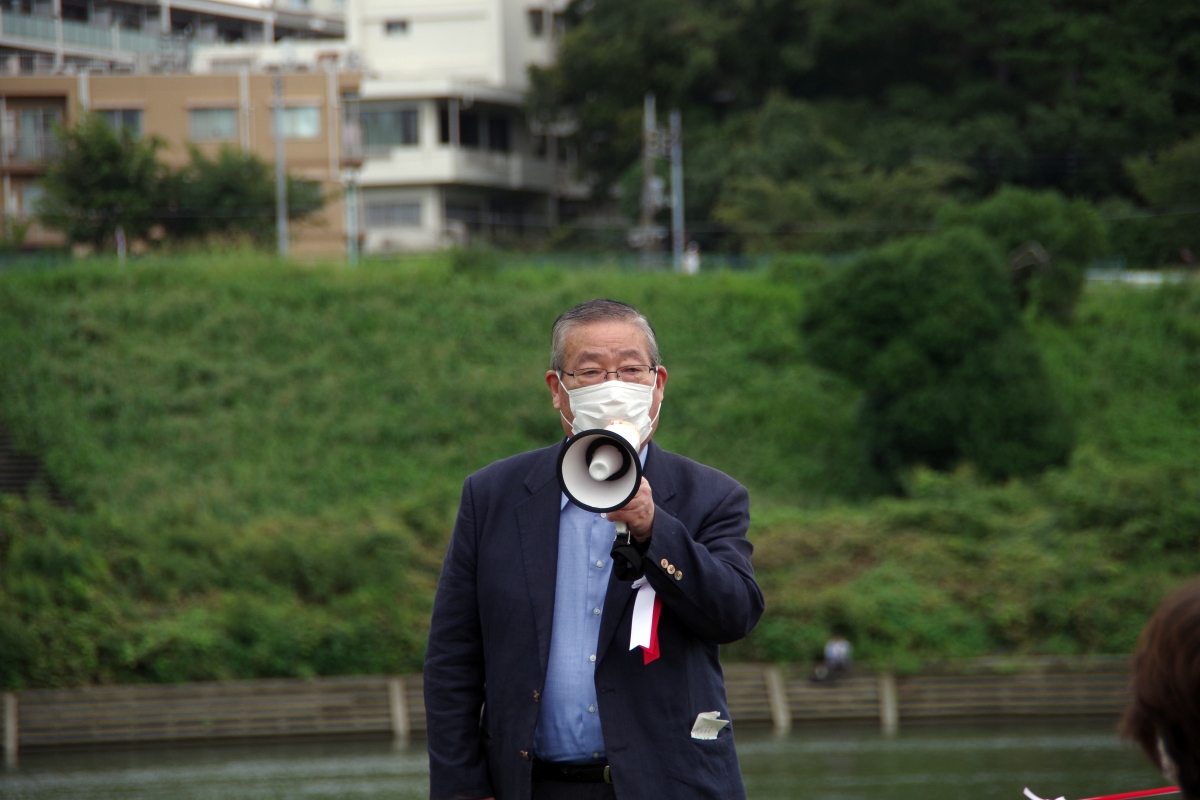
(638, 513)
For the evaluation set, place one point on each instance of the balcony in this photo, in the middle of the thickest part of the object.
(28, 150)
(41, 32)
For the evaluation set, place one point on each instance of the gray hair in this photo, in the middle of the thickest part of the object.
(598, 310)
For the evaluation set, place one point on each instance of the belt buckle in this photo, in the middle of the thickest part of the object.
(607, 774)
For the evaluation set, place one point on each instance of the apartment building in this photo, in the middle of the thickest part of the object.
(449, 155)
(208, 111)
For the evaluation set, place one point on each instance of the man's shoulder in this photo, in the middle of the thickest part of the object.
(517, 467)
(692, 473)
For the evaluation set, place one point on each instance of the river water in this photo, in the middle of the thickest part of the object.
(922, 762)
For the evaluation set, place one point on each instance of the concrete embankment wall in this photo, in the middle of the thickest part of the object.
(393, 705)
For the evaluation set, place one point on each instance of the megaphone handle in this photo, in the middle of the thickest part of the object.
(622, 530)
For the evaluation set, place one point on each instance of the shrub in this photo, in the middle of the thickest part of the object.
(930, 331)
(1070, 231)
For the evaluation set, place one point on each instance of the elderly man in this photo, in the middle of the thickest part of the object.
(533, 685)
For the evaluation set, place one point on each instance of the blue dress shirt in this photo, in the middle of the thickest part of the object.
(568, 727)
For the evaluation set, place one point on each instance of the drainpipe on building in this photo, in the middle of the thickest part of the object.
(281, 209)
(58, 36)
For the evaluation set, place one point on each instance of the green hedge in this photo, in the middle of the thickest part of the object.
(263, 463)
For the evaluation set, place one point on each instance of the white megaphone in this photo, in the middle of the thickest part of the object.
(599, 470)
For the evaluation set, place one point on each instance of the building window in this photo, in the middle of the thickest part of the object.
(299, 122)
(31, 195)
(387, 125)
(498, 132)
(125, 119)
(35, 133)
(212, 124)
(468, 129)
(540, 146)
(395, 27)
(469, 215)
(537, 22)
(393, 215)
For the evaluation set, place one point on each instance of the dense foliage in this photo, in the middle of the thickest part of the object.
(263, 462)
(103, 180)
(822, 105)
(930, 330)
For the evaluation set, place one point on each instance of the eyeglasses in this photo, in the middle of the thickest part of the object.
(634, 373)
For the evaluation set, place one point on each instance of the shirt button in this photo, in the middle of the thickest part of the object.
(599, 563)
(595, 755)
(592, 657)
(591, 709)
(595, 611)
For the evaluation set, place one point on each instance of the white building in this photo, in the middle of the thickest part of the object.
(448, 154)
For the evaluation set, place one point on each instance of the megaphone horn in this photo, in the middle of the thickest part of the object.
(599, 469)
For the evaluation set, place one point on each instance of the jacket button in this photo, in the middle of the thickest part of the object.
(678, 574)
(670, 569)
(537, 697)
(664, 563)
(525, 754)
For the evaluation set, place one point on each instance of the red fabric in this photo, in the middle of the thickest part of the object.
(1130, 795)
(650, 653)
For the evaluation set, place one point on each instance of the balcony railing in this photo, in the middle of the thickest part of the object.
(29, 149)
(79, 34)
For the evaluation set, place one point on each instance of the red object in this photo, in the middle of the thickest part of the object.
(650, 653)
(1142, 793)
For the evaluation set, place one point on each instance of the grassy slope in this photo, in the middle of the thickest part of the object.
(264, 463)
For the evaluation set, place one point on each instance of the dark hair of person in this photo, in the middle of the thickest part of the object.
(598, 310)
(1165, 688)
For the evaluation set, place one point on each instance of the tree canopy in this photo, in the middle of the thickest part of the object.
(930, 330)
(104, 180)
(1045, 95)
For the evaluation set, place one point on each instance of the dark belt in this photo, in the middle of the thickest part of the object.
(571, 773)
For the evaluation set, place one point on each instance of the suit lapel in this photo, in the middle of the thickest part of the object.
(620, 594)
(537, 517)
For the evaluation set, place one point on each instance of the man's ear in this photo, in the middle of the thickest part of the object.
(558, 393)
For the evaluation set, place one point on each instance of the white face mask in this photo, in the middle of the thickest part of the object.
(596, 406)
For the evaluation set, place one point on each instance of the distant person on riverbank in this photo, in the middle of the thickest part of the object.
(690, 262)
(1164, 708)
(837, 659)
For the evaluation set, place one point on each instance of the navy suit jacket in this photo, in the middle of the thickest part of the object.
(489, 641)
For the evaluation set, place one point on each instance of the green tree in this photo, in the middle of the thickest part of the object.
(1038, 94)
(1169, 182)
(1070, 231)
(232, 195)
(929, 330)
(101, 181)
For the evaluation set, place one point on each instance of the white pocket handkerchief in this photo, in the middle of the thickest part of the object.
(707, 725)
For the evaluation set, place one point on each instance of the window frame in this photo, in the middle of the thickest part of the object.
(232, 113)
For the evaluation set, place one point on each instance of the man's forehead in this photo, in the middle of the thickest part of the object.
(609, 338)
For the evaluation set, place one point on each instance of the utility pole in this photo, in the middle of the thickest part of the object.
(677, 190)
(351, 180)
(281, 209)
(649, 242)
